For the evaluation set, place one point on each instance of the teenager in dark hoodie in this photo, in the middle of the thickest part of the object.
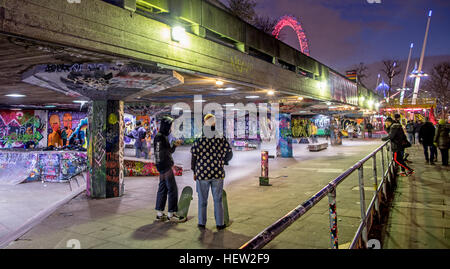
(397, 137)
(167, 189)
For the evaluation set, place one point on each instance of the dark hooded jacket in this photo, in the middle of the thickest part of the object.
(397, 137)
(426, 133)
(162, 148)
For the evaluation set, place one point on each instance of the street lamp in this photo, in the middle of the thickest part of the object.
(419, 70)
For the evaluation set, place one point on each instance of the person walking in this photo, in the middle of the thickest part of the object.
(398, 143)
(410, 129)
(167, 189)
(313, 133)
(138, 134)
(350, 130)
(369, 128)
(362, 130)
(442, 140)
(426, 137)
(209, 155)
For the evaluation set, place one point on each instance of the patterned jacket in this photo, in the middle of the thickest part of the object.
(209, 155)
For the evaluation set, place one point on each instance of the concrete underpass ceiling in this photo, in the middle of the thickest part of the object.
(50, 75)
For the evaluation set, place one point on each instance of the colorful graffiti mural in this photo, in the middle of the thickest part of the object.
(136, 168)
(105, 151)
(284, 146)
(20, 166)
(21, 128)
(67, 127)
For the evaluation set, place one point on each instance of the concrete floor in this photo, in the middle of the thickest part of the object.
(128, 221)
(21, 203)
(420, 216)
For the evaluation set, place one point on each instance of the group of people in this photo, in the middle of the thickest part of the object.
(429, 136)
(142, 140)
(209, 155)
(353, 129)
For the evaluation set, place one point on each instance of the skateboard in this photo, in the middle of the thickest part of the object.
(185, 202)
(226, 216)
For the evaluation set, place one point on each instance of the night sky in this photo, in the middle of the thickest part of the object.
(345, 32)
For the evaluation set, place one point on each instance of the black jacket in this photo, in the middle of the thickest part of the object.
(426, 133)
(397, 137)
(163, 149)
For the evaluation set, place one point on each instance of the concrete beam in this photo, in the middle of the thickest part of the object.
(101, 27)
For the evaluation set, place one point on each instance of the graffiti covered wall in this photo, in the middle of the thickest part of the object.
(66, 126)
(17, 128)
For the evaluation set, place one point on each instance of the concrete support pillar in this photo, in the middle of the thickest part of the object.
(105, 149)
(284, 137)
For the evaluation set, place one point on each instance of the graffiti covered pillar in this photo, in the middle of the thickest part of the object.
(284, 137)
(106, 145)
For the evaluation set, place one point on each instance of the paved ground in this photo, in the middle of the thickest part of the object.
(128, 221)
(420, 217)
(20, 203)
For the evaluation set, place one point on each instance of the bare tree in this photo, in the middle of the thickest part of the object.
(438, 85)
(244, 9)
(391, 70)
(361, 72)
(265, 23)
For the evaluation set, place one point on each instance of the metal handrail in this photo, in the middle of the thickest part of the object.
(268, 234)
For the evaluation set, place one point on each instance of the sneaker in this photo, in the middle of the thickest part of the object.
(427, 162)
(432, 163)
(201, 226)
(221, 227)
(161, 218)
(176, 218)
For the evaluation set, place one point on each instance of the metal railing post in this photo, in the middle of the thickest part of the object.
(383, 171)
(362, 203)
(375, 183)
(333, 220)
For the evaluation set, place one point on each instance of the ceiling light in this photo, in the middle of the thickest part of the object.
(178, 33)
(15, 95)
(271, 92)
(228, 105)
(300, 98)
(219, 83)
(328, 103)
(80, 101)
(16, 109)
(252, 97)
(199, 101)
(50, 106)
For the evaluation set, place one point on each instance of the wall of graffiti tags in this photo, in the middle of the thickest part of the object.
(135, 168)
(301, 126)
(284, 146)
(18, 166)
(105, 152)
(66, 127)
(17, 128)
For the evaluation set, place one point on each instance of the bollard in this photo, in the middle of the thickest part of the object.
(264, 178)
(333, 220)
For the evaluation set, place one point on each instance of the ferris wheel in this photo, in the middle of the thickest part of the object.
(292, 22)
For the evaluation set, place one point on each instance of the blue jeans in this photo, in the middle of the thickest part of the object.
(167, 187)
(433, 152)
(411, 138)
(216, 186)
(141, 149)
